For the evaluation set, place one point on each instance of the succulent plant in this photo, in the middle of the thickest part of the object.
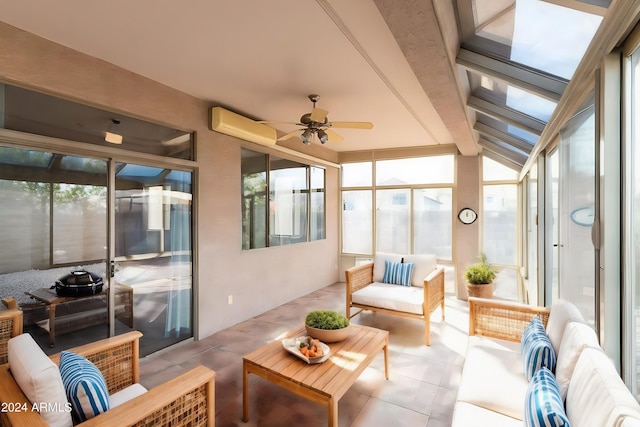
(326, 319)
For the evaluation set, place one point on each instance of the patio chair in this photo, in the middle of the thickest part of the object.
(10, 325)
(185, 400)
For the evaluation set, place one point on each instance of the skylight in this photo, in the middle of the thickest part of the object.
(539, 34)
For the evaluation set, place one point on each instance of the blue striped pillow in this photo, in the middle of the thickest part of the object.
(85, 386)
(536, 349)
(542, 404)
(397, 273)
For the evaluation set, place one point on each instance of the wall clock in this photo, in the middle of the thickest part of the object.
(467, 216)
(583, 216)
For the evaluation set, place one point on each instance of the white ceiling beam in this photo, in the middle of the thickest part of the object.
(507, 115)
(546, 86)
(490, 132)
(594, 7)
(514, 158)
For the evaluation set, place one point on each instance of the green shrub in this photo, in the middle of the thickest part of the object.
(326, 319)
(480, 273)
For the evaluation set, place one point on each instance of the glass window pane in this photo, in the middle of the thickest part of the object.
(531, 278)
(633, 227)
(84, 164)
(494, 171)
(317, 219)
(537, 33)
(508, 129)
(356, 174)
(499, 223)
(254, 199)
(77, 122)
(418, 170)
(432, 222)
(357, 222)
(288, 195)
(79, 215)
(153, 232)
(505, 95)
(576, 213)
(393, 220)
(16, 156)
(25, 223)
(317, 178)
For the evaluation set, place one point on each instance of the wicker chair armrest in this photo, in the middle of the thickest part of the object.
(186, 400)
(502, 319)
(116, 357)
(434, 289)
(10, 303)
(358, 277)
(10, 326)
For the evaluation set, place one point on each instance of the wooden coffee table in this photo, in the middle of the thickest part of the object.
(324, 383)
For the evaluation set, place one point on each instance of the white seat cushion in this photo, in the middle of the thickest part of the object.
(493, 377)
(39, 379)
(126, 394)
(408, 299)
(466, 414)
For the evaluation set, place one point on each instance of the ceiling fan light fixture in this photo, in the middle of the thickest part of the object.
(112, 137)
(306, 136)
(322, 135)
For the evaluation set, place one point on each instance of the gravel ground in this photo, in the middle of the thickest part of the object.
(16, 284)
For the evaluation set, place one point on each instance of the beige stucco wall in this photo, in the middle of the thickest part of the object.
(258, 280)
(467, 236)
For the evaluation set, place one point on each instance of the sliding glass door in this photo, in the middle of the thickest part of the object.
(55, 218)
(153, 250)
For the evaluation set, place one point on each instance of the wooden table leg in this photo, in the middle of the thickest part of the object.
(333, 413)
(52, 325)
(386, 360)
(245, 392)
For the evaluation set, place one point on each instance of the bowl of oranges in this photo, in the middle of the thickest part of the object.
(308, 349)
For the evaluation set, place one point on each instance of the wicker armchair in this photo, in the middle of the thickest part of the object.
(185, 400)
(361, 276)
(10, 325)
(502, 319)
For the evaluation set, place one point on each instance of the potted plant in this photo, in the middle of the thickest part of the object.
(480, 278)
(327, 325)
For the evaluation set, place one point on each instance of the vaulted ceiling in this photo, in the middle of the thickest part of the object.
(424, 72)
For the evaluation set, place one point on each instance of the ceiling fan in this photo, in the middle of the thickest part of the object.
(316, 124)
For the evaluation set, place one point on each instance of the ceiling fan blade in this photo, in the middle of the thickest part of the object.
(266, 122)
(351, 125)
(333, 136)
(291, 134)
(318, 115)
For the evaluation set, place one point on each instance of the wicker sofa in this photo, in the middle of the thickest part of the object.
(365, 290)
(493, 387)
(185, 400)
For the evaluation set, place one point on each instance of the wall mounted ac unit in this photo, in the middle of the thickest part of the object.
(230, 123)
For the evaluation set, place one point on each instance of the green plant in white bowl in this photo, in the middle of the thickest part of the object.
(327, 325)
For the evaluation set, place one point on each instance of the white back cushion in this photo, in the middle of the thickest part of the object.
(577, 336)
(424, 265)
(378, 264)
(39, 379)
(562, 312)
(597, 396)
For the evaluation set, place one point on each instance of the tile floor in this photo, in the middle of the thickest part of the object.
(420, 392)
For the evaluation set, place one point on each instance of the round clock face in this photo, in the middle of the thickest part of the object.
(467, 216)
